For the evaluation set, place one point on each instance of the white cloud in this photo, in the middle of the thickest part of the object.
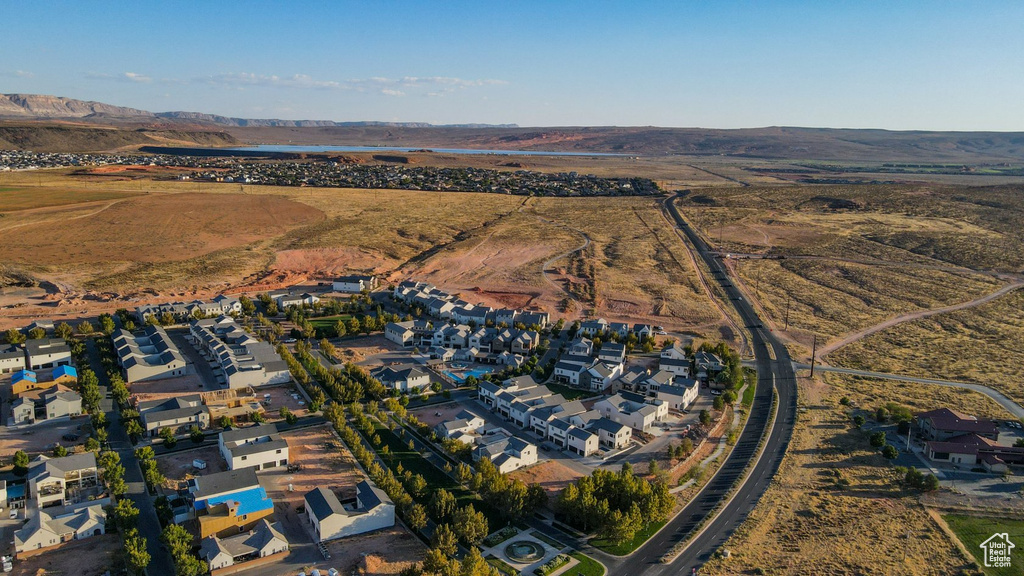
(133, 77)
(123, 77)
(390, 92)
(388, 86)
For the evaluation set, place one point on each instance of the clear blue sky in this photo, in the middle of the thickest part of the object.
(932, 65)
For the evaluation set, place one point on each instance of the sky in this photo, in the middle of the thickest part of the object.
(934, 65)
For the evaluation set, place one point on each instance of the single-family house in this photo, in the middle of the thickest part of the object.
(404, 378)
(179, 414)
(260, 447)
(47, 353)
(66, 375)
(354, 283)
(62, 481)
(594, 327)
(332, 519)
(506, 453)
(44, 530)
(12, 359)
(680, 394)
(610, 434)
(263, 541)
(465, 423)
(633, 410)
(612, 353)
(227, 503)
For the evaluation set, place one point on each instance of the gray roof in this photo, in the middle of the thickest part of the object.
(82, 461)
(243, 434)
(607, 425)
(47, 346)
(673, 390)
(323, 503)
(580, 433)
(224, 482)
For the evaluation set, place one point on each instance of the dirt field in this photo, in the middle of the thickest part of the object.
(429, 415)
(357, 349)
(807, 523)
(552, 475)
(178, 466)
(280, 396)
(381, 553)
(88, 557)
(35, 439)
(321, 466)
(167, 387)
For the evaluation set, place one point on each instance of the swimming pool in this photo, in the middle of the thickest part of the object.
(460, 377)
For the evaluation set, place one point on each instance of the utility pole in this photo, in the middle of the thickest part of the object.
(814, 353)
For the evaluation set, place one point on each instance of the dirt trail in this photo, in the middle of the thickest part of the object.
(551, 261)
(851, 338)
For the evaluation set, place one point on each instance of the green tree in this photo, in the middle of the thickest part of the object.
(196, 434)
(878, 439)
(168, 437)
(288, 416)
(705, 417)
(442, 504)
(134, 429)
(107, 325)
(354, 326)
(135, 552)
(858, 421)
(416, 485)
(463, 473)
(248, 306)
(92, 445)
(417, 517)
(729, 396)
(14, 336)
(125, 515)
(85, 327)
(63, 330)
(469, 525)
(930, 483)
(21, 463)
(718, 403)
(444, 540)
(890, 452)
(257, 417)
(224, 421)
(36, 333)
(59, 451)
(340, 329)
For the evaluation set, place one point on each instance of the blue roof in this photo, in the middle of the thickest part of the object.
(23, 375)
(249, 501)
(65, 371)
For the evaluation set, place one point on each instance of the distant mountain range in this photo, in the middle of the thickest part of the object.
(52, 123)
(42, 106)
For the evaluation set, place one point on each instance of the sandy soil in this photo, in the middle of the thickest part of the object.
(430, 417)
(35, 439)
(366, 553)
(178, 466)
(321, 466)
(87, 557)
(163, 227)
(356, 350)
(552, 475)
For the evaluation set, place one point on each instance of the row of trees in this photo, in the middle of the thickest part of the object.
(615, 505)
(348, 384)
(300, 375)
(179, 542)
(124, 516)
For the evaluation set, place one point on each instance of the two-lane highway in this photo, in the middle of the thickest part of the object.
(775, 374)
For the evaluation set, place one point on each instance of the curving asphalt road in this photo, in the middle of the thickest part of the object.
(775, 372)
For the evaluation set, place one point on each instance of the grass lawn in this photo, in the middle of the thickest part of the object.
(630, 546)
(570, 393)
(587, 566)
(436, 478)
(973, 530)
(501, 566)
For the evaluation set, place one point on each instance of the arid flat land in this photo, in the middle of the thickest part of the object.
(980, 344)
(85, 557)
(190, 239)
(322, 465)
(856, 256)
(808, 523)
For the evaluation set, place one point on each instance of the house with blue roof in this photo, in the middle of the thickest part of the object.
(65, 375)
(229, 502)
